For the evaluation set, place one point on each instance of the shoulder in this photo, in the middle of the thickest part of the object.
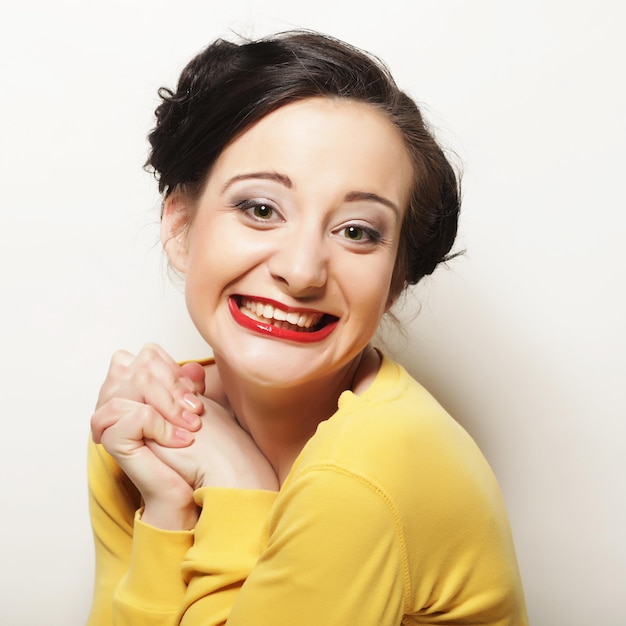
(395, 422)
(394, 465)
(397, 438)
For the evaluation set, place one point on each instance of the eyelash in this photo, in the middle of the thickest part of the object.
(248, 206)
(372, 236)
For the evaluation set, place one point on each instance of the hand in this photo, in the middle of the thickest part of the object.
(151, 397)
(154, 378)
(222, 455)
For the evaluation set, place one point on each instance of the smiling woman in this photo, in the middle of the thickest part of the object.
(311, 194)
(299, 476)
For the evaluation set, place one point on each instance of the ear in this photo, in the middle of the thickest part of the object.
(174, 229)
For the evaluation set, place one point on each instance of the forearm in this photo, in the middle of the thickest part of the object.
(230, 536)
(309, 556)
(113, 501)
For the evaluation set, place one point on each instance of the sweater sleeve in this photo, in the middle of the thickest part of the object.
(334, 548)
(151, 591)
(138, 578)
(113, 501)
(332, 556)
(340, 550)
(229, 538)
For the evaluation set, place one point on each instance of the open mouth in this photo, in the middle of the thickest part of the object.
(269, 318)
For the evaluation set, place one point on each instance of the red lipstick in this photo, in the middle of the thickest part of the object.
(269, 330)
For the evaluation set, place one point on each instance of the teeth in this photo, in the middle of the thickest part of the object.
(278, 317)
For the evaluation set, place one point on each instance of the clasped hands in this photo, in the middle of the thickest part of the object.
(169, 438)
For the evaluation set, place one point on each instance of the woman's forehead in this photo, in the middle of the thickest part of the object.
(333, 140)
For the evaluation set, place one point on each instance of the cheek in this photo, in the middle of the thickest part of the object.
(368, 286)
(221, 253)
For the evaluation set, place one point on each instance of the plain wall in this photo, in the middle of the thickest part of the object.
(522, 338)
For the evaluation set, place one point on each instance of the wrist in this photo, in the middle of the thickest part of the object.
(169, 516)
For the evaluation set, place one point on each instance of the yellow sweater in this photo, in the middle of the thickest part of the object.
(389, 516)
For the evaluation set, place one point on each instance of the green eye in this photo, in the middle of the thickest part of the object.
(262, 211)
(354, 233)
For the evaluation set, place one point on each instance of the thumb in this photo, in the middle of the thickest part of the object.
(195, 372)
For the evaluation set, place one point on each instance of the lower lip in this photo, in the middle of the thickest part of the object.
(266, 329)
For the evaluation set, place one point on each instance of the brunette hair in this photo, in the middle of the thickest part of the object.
(228, 87)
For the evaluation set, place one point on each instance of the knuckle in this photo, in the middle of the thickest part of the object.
(120, 360)
(120, 356)
(118, 367)
(147, 363)
(115, 405)
(149, 352)
(145, 413)
(142, 377)
(96, 427)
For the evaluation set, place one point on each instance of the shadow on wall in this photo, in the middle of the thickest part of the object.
(502, 373)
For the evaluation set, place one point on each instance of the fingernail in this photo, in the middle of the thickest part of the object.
(183, 435)
(190, 418)
(191, 401)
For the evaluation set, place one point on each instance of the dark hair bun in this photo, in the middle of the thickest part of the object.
(228, 87)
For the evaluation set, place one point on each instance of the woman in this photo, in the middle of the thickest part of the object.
(299, 476)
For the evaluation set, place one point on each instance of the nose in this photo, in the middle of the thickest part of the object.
(300, 263)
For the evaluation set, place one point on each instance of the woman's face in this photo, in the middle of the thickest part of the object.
(289, 257)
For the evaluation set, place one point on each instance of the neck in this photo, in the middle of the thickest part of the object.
(282, 420)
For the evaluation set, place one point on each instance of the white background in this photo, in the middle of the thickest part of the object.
(522, 339)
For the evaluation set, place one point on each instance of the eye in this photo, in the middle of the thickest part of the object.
(360, 234)
(258, 210)
(262, 211)
(354, 233)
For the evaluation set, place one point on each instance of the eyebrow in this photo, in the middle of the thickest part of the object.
(352, 196)
(279, 178)
(356, 196)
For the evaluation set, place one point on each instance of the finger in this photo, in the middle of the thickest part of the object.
(174, 376)
(116, 374)
(110, 413)
(129, 411)
(127, 424)
(154, 378)
(183, 463)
